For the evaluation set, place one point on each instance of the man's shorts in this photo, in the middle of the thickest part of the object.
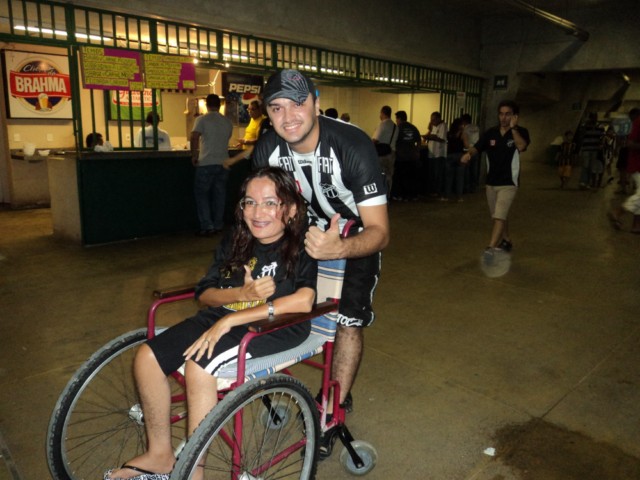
(360, 281)
(564, 170)
(500, 199)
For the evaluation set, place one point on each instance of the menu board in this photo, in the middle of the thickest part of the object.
(117, 69)
(169, 72)
(111, 69)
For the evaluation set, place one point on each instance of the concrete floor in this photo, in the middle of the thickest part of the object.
(540, 364)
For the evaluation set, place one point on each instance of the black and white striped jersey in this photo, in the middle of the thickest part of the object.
(341, 174)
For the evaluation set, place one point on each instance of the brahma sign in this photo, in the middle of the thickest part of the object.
(38, 85)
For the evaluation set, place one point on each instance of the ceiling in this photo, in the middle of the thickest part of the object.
(556, 7)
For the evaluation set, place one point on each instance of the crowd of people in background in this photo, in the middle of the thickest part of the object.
(431, 165)
(597, 149)
(427, 164)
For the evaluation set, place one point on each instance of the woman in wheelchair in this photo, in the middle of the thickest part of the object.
(259, 269)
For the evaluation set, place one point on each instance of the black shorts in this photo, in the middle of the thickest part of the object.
(169, 346)
(361, 278)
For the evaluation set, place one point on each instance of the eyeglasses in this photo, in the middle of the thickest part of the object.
(269, 205)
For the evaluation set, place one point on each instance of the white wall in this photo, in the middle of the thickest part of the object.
(363, 105)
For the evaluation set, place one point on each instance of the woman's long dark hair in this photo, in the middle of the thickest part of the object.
(243, 241)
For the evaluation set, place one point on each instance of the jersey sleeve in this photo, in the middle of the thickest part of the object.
(481, 144)
(362, 174)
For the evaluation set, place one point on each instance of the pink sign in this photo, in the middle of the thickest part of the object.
(111, 69)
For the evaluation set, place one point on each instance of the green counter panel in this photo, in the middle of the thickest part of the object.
(123, 197)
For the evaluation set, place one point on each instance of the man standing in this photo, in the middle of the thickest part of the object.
(146, 136)
(407, 158)
(252, 132)
(436, 138)
(590, 150)
(632, 204)
(209, 148)
(337, 170)
(503, 145)
(385, 138)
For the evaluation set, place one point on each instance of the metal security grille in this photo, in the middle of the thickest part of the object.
(33, 20)
(70, 26)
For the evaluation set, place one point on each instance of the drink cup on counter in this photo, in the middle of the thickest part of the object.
(29, 149)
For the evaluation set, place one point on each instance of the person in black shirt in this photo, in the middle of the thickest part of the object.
(503, 145)
(407, 157)
(454, 170)
(336, 168)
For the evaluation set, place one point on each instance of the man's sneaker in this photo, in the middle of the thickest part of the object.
(327, 441)
(505, 245)
(487, 256)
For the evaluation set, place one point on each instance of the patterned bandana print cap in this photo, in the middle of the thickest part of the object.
(289, 84)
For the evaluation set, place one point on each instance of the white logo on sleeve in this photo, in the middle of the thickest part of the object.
(371, 188)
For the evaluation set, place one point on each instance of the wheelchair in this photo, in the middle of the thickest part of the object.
(266, 424)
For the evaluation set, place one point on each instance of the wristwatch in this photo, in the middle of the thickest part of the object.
(272, 311)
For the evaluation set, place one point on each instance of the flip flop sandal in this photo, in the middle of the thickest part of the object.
(144, 474)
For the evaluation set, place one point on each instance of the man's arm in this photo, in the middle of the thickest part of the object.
(520, 141)
(375, 236)
(465, 139)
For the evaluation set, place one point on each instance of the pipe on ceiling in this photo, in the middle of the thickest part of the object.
(569, 27)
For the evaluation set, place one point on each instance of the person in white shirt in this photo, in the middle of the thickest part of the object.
(436, 139)
(384, 139)
(164, 142)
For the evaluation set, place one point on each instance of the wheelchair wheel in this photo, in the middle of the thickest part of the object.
(267, 428)
(366, 452)
(97, 422)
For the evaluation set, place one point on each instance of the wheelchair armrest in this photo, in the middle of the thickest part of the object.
(260, 326)
(174, 291)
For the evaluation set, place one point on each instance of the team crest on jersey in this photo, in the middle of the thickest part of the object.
(370, 189)
(286, 163)
(510, 143)
(329, 190)
(325, 165)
